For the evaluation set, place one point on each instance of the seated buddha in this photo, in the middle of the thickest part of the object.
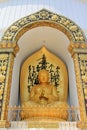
(44, 100)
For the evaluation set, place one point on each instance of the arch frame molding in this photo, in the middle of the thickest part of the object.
(44, 18)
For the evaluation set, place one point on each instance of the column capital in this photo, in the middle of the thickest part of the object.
(9, 47)
(77, 48)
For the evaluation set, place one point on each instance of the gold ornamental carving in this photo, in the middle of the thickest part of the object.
(83, 73)
(6, 84)
(3, 74)
(79, 87)
(44, 18)
(79, 55)
(9, 47)
(77, 48)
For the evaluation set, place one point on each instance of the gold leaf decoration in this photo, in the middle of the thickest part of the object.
(1, 91)
(67, 22)
(3, 57)
(54, 18)
(74, 32)
(14, 28)
(33, 17)
(2, 77)
(84, 78)
(43, 14)
(7, 37)
(73, 28)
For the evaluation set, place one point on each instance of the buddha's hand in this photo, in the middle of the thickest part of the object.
(50, 99)
(36, 98)
(44, 95)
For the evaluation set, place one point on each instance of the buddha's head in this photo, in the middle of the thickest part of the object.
(43, 76)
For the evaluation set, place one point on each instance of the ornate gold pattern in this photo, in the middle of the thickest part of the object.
(3, 73)
(9, 47)
(73, 32)
(4, 124)
(78, 48)
(79, 54)
(7, 86)
(83, 72)
(79, 87)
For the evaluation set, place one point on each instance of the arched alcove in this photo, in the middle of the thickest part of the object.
(30, 33)
(56, 42)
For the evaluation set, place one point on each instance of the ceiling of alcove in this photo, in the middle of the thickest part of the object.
(56, 41)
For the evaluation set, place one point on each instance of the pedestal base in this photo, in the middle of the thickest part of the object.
(43, 123)
(22, 125)
(4, 124)
(82, 125)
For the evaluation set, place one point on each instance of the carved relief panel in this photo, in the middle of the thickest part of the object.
(83, 73)
(3, 73)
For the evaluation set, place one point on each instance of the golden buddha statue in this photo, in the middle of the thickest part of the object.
(43, 93)
(44, 100)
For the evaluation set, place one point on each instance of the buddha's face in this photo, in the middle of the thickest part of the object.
(43, 76)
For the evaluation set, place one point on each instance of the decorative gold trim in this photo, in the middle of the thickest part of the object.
(79, 54)
(77, 48)
(82, 125)
(4, 124)
(3, 73)
(79, 88)
(9, 47)
(7, 87)
(44, 18)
